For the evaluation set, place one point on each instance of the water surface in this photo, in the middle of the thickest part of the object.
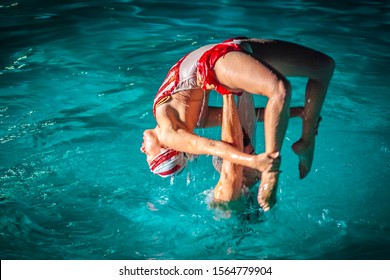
(77, 80)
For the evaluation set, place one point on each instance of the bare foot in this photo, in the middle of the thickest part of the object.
(267, 190)
(305, 152)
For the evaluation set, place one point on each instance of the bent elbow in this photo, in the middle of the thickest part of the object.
(165, 138)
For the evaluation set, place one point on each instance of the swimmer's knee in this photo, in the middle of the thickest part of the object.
(326, 66)
(282, 91)
(330, 65)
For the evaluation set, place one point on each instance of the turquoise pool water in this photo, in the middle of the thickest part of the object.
(77, 80)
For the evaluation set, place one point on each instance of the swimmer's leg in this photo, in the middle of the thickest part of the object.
(291, 59)
(237, 70)
(304, 147)
(229, 185)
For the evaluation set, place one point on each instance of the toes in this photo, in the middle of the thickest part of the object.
(266, 200)
(264, 205)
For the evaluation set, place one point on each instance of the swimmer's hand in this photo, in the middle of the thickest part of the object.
(268, 162)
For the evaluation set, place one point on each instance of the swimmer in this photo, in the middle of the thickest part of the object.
(248, 116)
(238, 129)
(257, 66)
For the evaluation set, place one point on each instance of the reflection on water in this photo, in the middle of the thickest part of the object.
(77, 81)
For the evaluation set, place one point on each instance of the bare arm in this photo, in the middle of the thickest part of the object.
(184, 141)
(214, 117)
(177, 137)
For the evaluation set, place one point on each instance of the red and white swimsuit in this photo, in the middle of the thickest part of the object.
(183, 75)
